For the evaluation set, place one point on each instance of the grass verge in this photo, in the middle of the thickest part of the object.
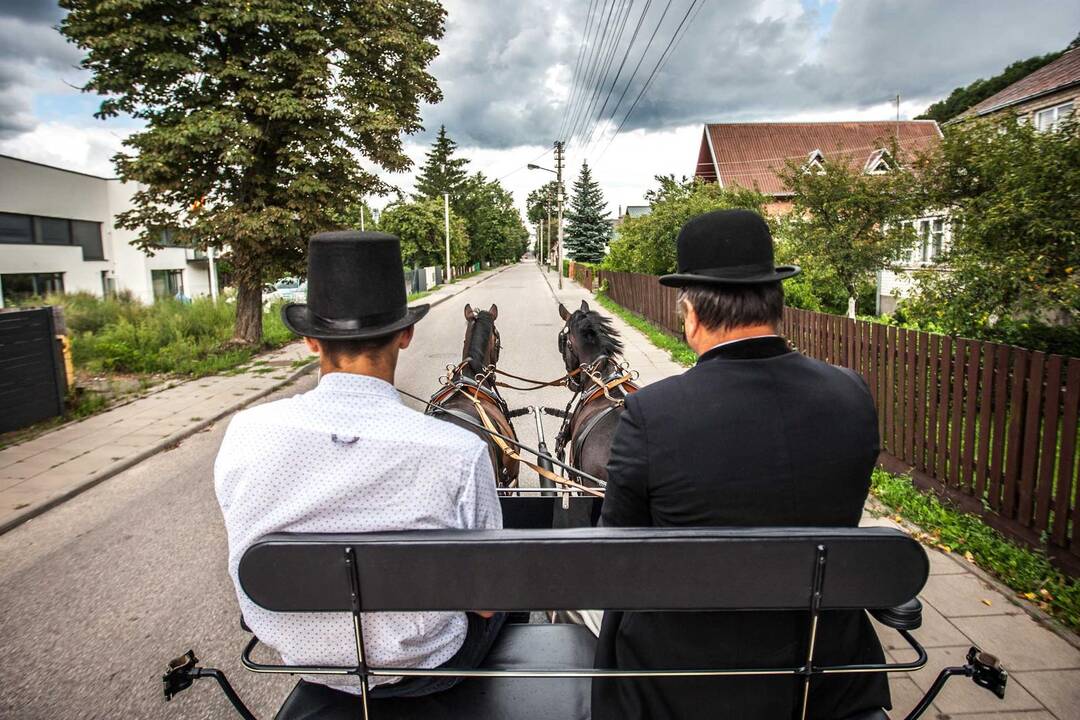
(680, 352)
(1025, 571)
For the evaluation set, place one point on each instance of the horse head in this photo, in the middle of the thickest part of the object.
(482, 344)
(586, 336)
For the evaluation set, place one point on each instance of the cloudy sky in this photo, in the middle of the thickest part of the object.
(507, 70)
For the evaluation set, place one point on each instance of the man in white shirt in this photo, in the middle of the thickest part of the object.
(348, 456)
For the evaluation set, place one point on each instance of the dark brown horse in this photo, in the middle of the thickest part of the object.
(471, 386)
(591, 349)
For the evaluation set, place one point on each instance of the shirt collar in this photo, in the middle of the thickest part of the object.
(738, 340)
(351, 383)
(759, 347)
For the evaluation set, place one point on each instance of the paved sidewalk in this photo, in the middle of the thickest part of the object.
(41, 473)
(962, 607)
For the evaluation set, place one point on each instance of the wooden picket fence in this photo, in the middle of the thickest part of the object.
(990, 426)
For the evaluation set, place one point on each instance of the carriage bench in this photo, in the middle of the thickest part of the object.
(537, 672)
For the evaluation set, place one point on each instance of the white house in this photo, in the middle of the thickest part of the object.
(58, 234)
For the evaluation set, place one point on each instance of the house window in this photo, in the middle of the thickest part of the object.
(52, 231)
(1051, 118)
(23, 286)
(168, 238)
(167, 283)
(16, 228)
(88, 236)
(932, 239)
(108, 284)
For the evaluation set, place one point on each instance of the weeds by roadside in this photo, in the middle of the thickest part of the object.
(1027, 572)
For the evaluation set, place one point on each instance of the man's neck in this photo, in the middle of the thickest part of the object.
(711, 339)
(380, 370)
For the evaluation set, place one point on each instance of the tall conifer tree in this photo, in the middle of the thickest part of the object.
(587, 230)
(442, 172)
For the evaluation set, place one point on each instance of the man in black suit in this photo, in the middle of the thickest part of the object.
(754, 435)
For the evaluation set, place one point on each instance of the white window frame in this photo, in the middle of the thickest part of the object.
(1055, 111)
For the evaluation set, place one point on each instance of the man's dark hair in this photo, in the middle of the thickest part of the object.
(338, 352)
(725, 307)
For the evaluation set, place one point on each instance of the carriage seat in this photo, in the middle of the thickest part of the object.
(518, 647)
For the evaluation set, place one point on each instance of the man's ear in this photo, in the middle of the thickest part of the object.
(313, 345)
(405, 337)
(494, 311)
(470, 315)
(690, 320)
(563, 312)
(584, 306)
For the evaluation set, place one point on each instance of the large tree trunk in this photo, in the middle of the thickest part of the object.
(248, 312)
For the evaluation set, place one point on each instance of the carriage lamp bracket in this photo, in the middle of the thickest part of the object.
(184, 670)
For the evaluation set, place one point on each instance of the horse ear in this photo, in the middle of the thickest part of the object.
(494, 311)
(469, 314)
(563, 312)
(584, 306)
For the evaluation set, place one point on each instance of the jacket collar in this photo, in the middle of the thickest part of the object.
(749, 349)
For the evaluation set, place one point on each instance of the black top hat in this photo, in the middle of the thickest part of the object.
(726, 247)
(356, 289)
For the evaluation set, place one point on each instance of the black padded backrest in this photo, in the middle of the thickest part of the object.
(605, 568)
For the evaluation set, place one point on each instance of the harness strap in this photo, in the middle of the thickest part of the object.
(543, 472)
(538, 383)
(579, 439)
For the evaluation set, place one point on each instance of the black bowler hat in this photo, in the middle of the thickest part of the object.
(356, 289)
(726, 247)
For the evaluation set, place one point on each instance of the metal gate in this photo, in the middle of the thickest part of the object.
(32, 380)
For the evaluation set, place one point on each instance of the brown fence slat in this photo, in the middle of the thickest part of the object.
(932, 372)
(967, 454)
(1029, 461)
(957, 420)
(982, 461)
(1067, 479)
(1048, 454)
(899, 431)
(1016, 432)
(912, 375)
(1001, 405)
(889, 396)
(944, 368)
(922, 352)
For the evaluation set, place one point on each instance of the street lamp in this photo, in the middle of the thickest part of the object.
(558, 191)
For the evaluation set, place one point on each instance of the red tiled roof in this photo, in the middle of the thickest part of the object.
(750, 154)
(1061, 73)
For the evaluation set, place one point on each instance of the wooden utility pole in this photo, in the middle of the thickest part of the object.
(559, 191)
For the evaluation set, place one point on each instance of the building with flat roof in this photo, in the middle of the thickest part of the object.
(58, 234)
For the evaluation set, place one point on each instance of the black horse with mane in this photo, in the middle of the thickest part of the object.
(591, 350)
(470, 392)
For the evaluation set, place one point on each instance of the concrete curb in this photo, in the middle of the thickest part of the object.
(118, 467)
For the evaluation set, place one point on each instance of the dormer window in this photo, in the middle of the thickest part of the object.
(879, 162)
(814, 162)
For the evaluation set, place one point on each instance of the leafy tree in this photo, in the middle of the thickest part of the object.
(963, 98)
(1014, 258)
(420, 225)
(850, 224)
(442, 172)
(258, 116)
(540, 207)
(587, 230)
(494, 225)
(646, 244)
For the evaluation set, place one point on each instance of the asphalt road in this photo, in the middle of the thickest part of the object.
(98, 594)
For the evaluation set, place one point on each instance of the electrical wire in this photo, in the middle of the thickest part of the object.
(602, 76)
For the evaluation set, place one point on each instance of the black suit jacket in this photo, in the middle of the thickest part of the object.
(753, 435)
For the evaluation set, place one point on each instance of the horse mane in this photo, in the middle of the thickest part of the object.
(483, 327)
(597, 331)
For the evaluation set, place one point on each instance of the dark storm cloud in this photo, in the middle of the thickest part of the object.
(34, 58)
(739, 59)
(32, 10)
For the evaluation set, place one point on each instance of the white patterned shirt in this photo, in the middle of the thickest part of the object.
(345, 457)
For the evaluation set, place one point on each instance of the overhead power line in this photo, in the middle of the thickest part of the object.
(592, 64)
(605, 70)
(577, 69)
(694, 8)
